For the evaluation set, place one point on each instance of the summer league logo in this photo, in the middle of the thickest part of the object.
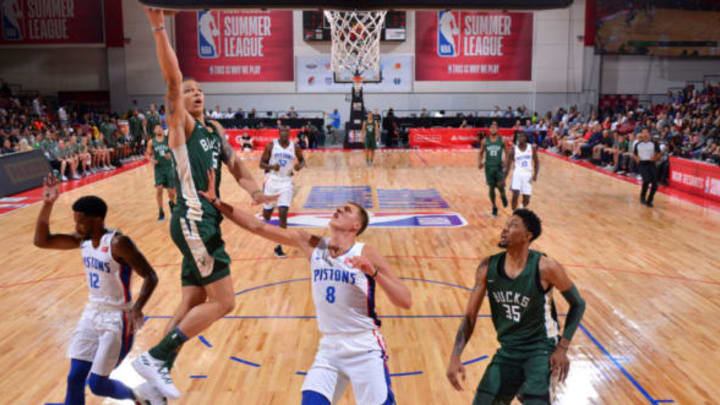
(448, 34)
(208, 35)
(12, 14)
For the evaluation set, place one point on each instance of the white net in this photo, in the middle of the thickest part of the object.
(355, 40)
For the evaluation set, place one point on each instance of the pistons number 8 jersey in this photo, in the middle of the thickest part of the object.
(344, 296)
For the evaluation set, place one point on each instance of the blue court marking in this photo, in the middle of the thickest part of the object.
(410, 199)
(272, 284)
(481, 358)
(331, 197)
(198, 376)
(239, 360)
(204, 341)
(623, 370)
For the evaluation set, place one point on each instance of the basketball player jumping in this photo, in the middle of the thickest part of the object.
(104, 334)
(525, 173)
(159, 155)
(344, 276)
(277, 160)
(492, 148)
(207, 292)
(519, 283)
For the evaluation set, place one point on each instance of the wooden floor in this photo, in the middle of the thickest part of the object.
(650, 278)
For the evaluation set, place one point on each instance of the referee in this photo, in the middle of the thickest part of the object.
(647, 153)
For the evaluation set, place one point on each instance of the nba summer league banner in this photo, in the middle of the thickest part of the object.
(235, 46)
(35, 22)
(473, 45)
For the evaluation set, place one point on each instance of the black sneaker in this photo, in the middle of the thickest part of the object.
(495, 211)
(649, 204)
(161, 217)
(279, 252)
(642, 201)
(171, 205)
(504, 201)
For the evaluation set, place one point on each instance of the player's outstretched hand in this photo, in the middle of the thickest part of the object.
(155, 15)
(560, 364)
(362, 263)
(209, 194)
(262, 198)
(454, 369)
(51, 189)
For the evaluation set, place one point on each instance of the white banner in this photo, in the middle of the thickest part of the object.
(314, 75)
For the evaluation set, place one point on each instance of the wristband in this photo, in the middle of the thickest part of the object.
(160, 28)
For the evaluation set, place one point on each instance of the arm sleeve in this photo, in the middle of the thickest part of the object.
(575, 313)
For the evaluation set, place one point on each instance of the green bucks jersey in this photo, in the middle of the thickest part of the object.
(370, 129)
(160, 151)
(201, 152)
(493, 152)
(523, 314)
(152, 121)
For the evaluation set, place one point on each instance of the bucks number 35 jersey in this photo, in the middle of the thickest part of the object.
(523, 314)
(201, 152)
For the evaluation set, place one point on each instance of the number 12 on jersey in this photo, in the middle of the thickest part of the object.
(94, 280)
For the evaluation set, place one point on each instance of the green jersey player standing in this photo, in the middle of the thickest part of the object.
(158, 152)
(197, 146)
(519, 284)
(492, 148)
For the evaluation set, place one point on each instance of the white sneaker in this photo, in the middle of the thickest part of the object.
(64, 178)
(157, 374)
(76, 177)
(112, 167)
(146, 394)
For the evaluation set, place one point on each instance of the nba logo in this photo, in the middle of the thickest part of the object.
(208, 35)
(448, 34)
(11, 14)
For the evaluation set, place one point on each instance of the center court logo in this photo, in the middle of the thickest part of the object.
(12, 13)
(448, 33)
(208, 35)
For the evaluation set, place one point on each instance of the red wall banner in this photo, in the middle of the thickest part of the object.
(34, 22)
(261, 137)
(235, 46)
(698, 178)
(451, 137)
(473, 45)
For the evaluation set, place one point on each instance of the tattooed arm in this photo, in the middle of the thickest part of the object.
(467, 326)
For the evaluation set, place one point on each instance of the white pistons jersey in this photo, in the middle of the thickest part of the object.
(344, 296)
(524, 160)
(108, 280)
(284, 157)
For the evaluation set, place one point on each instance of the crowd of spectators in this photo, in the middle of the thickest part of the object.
(686, 125)
(78, 142)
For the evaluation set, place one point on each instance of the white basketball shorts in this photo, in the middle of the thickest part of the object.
(102, 337)
(522, 182)
(283, 189)
(358, 359)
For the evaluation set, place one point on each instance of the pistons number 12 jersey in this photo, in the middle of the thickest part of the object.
(344, 296)
(108, 280)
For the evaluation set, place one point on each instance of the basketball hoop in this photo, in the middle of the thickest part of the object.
(355, 41)
(358, 82)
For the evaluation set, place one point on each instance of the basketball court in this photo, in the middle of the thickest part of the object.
(649, 277)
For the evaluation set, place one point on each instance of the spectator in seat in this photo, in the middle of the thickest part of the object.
(292, 113)
(216, 113)
(598, 151)
(252, 114)
(6, 147)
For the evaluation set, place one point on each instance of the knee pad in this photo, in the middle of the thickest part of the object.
(314, 398)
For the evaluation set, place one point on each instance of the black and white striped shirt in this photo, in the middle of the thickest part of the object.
(646, 150)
